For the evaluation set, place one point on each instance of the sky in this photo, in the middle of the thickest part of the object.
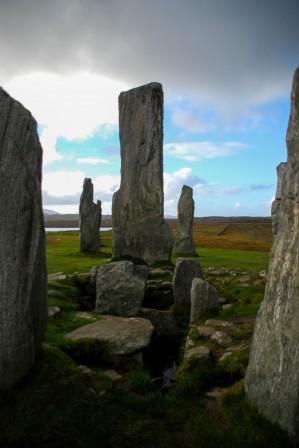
(226, 68)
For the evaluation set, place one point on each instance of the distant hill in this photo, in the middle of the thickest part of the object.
(54, 219)
(49, 212)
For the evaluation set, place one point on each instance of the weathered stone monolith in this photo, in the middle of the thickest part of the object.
(280, 169)
(272, 379)
(184, 243)
(139, 229)
(23, 273)
(90, 215)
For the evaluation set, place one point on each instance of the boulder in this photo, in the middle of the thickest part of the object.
(120, 288)
(186, 269)
(163, 321)
(204, 299)
(23, 272)
(280, 169)
(90, 215)
(139, 228)
(184, 243)
(118, 335)
(272, 380)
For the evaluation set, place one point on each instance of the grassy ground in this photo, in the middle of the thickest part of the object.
(59, 406)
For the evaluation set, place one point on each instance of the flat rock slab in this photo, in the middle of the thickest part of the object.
(120, 335)
(219, 323)
(198, 352)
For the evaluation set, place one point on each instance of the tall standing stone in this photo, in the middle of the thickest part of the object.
(272, 379)
(90, 215)
(23, 273)
(139, 229)
(184, 243)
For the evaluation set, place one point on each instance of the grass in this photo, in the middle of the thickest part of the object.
(58, 406)
(63, 253)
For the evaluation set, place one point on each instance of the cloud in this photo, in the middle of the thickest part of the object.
(91, 161)
(229, 58)
(68, 106)
(63, 183)
(259, 187)
(196, 151)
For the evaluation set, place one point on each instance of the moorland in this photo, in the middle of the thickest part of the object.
(114, 402)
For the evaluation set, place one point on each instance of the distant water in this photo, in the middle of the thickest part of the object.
(64, 229)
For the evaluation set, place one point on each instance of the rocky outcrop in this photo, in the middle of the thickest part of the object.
(204, 299)
(184, 243)
(23, 273)
(185, 271)
(139, 229)
(120, 288)
(90, 215)
(118, 335)
(272, 380)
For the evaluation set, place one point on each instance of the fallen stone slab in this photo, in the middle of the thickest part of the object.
(119, 335)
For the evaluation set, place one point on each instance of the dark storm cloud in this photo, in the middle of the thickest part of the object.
(223, 53)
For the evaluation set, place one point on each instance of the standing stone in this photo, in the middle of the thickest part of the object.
(272, 379)
(186, 269)
(280, 169)
(184, 243)
(90, 215)
(204, 299)
(23, 272)
(139, 229)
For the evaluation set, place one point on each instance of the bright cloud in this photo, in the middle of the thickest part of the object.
(63, 183)
(68, 106)
(196, 151)
(91, 161)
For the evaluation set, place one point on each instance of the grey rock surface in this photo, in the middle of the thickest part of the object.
(23, 272)
(90, 215)
(184, 243)
(163, 321)
(186, 269)
(139, 228)
(119, 335)
(272, 380)
(280, 169)
(120, 288)
(204, 299)
(198, 352)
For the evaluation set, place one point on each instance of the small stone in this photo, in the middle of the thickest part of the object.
(245, 279)
(84, 315)
(189, 344)
(225, 356)
(86, 370)
(222, 338)
(263, 273)
(53, 310)
(113, 375)
(221, 300)
(205, 331)
(52, 293)
(57, 276)
(227, 306)
(198, 352)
